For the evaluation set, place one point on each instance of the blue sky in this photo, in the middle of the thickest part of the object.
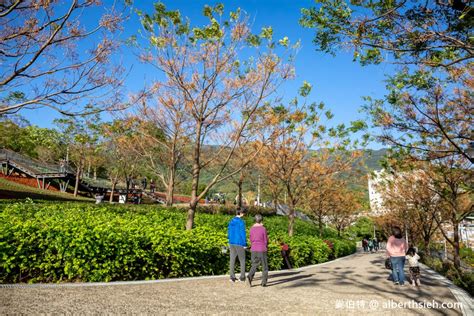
(337, 81)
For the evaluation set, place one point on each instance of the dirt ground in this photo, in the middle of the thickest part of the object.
(344, 287)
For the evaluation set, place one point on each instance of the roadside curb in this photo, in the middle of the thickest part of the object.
(467, 302)
(142, 282)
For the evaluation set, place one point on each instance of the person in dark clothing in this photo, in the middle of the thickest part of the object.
(144, 183)
(376, 244)
(365, 245)
(371, 245)
(152, 186)
(237, 243)
(285, 253)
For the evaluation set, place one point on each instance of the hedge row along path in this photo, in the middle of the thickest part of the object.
(325, 289)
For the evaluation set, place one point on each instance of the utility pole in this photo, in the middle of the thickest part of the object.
(406, 234)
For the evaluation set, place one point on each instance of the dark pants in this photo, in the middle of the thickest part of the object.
(286, 259)
(257, 259)
(415, 275)
(237, 251)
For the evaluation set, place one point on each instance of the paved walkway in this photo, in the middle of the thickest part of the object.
(356, 284)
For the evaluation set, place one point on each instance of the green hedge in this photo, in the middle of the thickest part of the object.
(342, 248)
(85, 242)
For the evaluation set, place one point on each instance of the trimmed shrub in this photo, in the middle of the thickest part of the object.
(342, 247)
(85, 242)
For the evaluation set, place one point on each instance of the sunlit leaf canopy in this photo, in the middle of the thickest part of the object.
(223, 54)
(432, 33)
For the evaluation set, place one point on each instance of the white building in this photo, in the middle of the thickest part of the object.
(375, 183)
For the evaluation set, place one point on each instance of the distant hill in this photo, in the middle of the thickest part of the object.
(372, 158)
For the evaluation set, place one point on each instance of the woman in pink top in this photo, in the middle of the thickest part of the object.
(396, 249)
(259, 242)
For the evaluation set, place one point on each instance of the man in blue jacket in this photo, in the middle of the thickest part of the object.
(237, 244)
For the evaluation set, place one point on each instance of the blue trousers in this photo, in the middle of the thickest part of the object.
(398, 264)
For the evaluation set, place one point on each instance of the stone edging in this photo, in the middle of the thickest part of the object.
(113, 283)
(467, 302)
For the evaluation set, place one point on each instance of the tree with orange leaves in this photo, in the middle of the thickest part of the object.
(329, 196)
(411, 201)
(344, 205)
(164, 130)
(426, 196)
(219, 91)
(119, 139)
(288, 162)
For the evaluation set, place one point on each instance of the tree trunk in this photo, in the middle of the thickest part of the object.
(170, 191)
(95, 173)
(291, 215)
(194, 201)
(190, 217)
(239, 184)
(171, 179)
(320, 225)
(291, 218)
(457, 258)
(88, 169)
(195, 182)
(426, 231)
(127, 187)
(291, 222)
(426, 243)
(78, 177)
(111, 199)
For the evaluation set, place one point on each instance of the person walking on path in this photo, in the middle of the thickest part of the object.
(413, 266)
(376, 245)
(365, 244)
(259, 243)
(237, 244)
(396, 250)
(371, 245)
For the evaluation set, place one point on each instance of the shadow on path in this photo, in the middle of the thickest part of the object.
(295, 278)
(362, 277)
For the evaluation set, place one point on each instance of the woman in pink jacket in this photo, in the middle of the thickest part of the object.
(396, 249)
(259, 241)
